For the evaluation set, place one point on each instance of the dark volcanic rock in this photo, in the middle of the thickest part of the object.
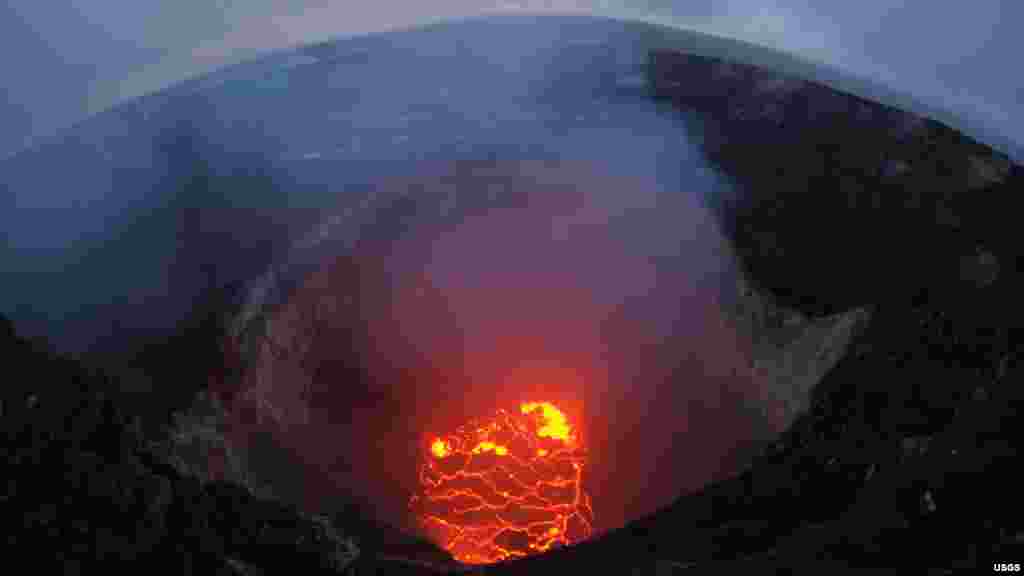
(890, 199)
(81, 484)
(905, 458)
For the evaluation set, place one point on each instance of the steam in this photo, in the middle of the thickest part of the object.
(535, 227)
(473, 216)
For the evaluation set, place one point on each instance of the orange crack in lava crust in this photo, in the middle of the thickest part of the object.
(506, 487)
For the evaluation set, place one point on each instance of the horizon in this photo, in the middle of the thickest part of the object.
(98, 58)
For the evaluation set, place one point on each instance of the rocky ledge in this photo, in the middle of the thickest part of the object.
(83, 487)
(842, 201)
(906, 456)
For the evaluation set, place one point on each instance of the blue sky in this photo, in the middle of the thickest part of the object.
(64, 59)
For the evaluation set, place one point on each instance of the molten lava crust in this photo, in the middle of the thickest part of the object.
(505, 487)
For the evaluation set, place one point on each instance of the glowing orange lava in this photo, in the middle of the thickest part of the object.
(506, 487)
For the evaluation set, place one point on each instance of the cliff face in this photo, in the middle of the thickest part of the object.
(854, 222)
(844, 201)
(906, 455)
(85, 486)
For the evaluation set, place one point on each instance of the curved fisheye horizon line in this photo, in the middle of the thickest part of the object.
(815, 39)
(226, 53)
